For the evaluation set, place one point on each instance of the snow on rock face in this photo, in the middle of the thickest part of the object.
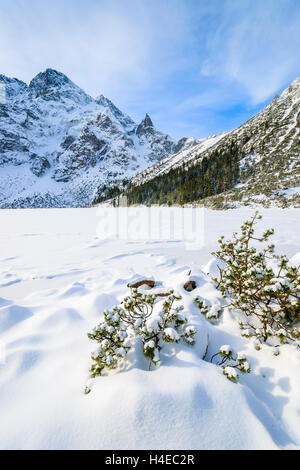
(146, 127)
(81, 143)
(39, 166)
(53, 85)
(14, 88)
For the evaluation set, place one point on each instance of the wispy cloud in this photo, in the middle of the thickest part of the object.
(101, 44)
(256, 45)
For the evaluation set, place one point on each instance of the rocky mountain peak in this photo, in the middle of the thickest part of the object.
(293, 91)
(121, 117)
(46, 81)
(53, 130)
(101, 99)
(54, 85)
(145, 127)
(296, 83)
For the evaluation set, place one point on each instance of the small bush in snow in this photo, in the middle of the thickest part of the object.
(212, 313)
(138, 316)
(231, 363)
(269, 297)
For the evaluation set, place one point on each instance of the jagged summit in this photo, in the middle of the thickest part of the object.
(5, 79)
(13, 87)
(147, 121)
(59, 147)
(52, 85)
(101, 99)
(295, 83)
(145, 127)
(122, 117)
(50, 78)
(47, 81)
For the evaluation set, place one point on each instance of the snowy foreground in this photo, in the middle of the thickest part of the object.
(59, 269)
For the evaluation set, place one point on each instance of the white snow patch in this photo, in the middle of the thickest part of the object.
(67, 277)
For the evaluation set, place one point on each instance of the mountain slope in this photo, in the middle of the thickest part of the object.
(255, 163)
(58, 145)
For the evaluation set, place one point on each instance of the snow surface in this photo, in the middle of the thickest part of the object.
(59, 269)
(67, 144)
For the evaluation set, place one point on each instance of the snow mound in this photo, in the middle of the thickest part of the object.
(186, 403)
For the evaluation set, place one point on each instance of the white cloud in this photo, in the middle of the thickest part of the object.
(181, 60)
(103, 46)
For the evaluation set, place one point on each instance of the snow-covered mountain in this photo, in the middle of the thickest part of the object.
(257, 163)
(59, 146)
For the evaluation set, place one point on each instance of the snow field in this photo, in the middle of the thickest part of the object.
(57, 275)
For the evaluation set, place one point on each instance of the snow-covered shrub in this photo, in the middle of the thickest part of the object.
(139, 316)
(212, 313)
(231, 363)
(268, 296)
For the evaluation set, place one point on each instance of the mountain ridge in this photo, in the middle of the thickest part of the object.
(59, 147)
(59, 144)
(256, 163)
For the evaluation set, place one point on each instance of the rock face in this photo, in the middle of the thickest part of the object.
(146, 127)
(39, 165)
(58, 145)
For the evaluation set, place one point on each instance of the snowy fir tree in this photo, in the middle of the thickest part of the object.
(263, 286)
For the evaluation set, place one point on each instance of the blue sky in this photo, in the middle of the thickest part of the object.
(198, 67)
